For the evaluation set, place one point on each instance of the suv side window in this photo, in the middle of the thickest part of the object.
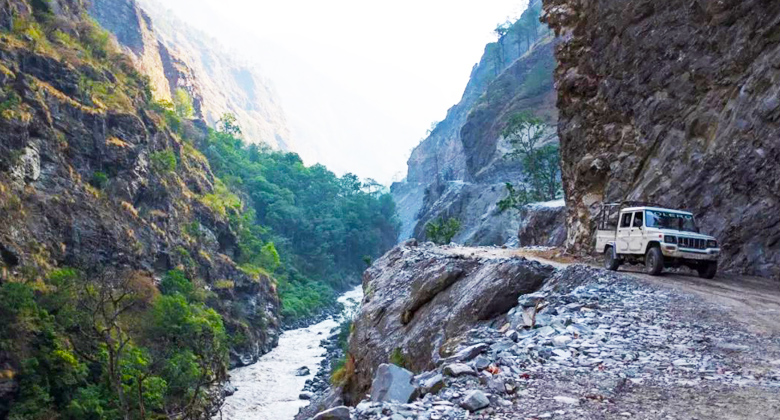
(625, 220)
(638, 219)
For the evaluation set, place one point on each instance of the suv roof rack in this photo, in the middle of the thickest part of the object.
(610, 210)
(633, 203)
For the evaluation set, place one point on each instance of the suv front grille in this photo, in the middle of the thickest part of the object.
(693, 243)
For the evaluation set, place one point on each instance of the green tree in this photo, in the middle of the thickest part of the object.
(540, 163)
(182, 104)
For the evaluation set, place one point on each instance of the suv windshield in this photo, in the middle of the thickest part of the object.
(671, 220)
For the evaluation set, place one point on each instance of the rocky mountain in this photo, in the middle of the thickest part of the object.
(431, 342)
(460, 169)
(177, 56)
(96, 179)
(676, 103)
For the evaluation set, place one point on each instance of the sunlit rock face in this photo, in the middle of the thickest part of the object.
(677, 103)
(53, 144)
(175, 56)
(460, 169)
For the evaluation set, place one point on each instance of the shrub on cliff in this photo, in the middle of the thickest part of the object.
(442, 231)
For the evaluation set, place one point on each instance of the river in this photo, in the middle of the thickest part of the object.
(269, 389)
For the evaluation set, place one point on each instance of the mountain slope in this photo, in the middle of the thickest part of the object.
(694, 125)
(174, 55)
(118, 241)
(460, 170)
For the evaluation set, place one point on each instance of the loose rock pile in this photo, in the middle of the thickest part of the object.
(593, 344)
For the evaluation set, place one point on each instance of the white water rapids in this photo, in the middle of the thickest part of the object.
(269, 389)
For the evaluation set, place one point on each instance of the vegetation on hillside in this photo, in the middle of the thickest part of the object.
(540, 163)
(111, 346)
(523, 32)
(325, 227)
(442, 231)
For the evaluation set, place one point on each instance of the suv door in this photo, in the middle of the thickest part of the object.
(637, 233)
(623, 233)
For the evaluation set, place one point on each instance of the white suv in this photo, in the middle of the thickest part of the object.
(657, 237)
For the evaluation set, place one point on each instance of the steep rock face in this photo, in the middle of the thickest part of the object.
(460, 169)
(678, 103)
(79, 186)
(420, 298)
(176, 56)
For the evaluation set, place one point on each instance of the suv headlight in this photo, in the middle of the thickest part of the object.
(670, 239)
(712, 243)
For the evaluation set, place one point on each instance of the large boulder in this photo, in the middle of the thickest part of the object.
(419, 300)
(392, 383)
(542, 224)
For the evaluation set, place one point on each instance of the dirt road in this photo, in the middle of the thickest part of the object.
(753, 301)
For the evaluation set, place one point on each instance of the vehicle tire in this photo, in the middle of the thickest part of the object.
(610, 262)
(708, 269)
(654, 261)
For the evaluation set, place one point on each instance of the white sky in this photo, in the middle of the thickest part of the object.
(360, 80)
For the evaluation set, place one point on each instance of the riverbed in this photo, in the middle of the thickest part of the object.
(269, 389)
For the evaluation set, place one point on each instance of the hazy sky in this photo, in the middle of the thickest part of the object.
(360, 80)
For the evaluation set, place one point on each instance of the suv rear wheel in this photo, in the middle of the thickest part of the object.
(610, 261)
(707, 269)
(654, 261)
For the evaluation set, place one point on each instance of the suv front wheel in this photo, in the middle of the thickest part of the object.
(611, 262)
(654, 261)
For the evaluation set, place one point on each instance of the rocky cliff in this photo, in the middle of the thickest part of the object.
(420, 300)
(174, 56)
(677, 103)
(460, 170)
(93, 178)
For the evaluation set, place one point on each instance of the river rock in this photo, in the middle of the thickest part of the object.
(335, 413)
(302, 371)
(305, 395)
(392, 383)
(475, 400)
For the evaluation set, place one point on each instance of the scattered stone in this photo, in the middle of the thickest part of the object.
(305, 395)
(561, 341)
(432, 385)
(481, 363)
(302, 371)
(567, 400)
(475, 400)
(469, 353)
(459, 369)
